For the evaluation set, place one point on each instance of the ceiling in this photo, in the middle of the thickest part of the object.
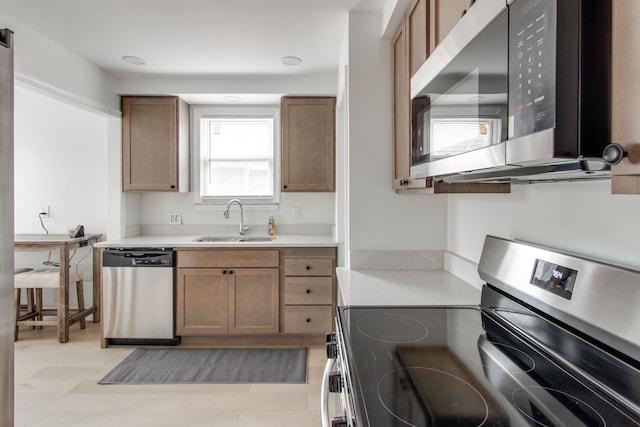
(185, 38)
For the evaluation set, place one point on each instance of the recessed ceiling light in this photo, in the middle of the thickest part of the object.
(232, 98)
(135, 60)
(291, 60)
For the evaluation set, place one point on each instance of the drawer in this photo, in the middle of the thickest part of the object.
(308, 290)
(228, 258)
(308, 266)
(308, 320)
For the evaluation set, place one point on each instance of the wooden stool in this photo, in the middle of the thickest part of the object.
(33, 281)
(30, 309)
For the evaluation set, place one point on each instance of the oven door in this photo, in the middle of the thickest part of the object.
(459, 118)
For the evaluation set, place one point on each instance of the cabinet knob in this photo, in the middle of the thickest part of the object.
(230, 271)
(308, 291)
(614, 153)
(308, 267)
(224, 271)
(308, 320)
(284, 186)
(404, 182)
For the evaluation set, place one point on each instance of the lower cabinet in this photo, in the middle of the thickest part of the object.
(241, 291)
(309, 290)
(242, 298)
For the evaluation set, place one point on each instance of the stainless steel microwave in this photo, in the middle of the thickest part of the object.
(516, 85)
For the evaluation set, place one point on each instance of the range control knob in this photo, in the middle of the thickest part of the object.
(335, 382)
(332, 350)
(332, 345)
(339, 422)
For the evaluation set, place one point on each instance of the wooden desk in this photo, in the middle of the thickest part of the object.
(63, 244)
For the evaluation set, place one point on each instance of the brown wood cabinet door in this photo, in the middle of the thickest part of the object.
(202, 301)
(625, 87)
(254, 302)
(308, 144)
(418, 34)
(150, 143)
(402, 111)
(447, 13)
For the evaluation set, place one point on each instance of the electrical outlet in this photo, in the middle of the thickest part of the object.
(44, 211)
(175, 218)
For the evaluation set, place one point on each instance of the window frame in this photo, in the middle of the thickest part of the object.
(200, 155)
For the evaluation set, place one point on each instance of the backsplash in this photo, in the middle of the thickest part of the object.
(228, 229)
(396, 260)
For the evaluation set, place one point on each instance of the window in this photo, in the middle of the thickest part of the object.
(235, 150)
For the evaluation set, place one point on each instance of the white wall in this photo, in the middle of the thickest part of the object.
(380, 219)
(579, 217)
(41, 62)
(61, 162)
(317, 208)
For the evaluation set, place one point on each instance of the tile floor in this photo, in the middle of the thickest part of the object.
(56, 385)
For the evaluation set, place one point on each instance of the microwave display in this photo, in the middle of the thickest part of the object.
(532, 64)
(465, 108)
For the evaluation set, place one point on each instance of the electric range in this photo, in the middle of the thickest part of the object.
(554, 342)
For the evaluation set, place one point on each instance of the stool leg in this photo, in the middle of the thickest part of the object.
(39, 306)
(80, 292)
(31, 303)
(16, 299)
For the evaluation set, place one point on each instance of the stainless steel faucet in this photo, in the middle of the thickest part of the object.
(243, 228)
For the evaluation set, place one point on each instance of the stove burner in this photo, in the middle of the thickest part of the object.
(420, 396)
(392, 328)
(550, 407)
(510, 359)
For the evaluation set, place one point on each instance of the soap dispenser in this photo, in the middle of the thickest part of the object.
(272, 226)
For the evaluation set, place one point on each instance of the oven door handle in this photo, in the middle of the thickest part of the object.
(324, 393)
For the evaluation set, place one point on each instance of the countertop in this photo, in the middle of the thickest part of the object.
(187, 241)
(404, 287)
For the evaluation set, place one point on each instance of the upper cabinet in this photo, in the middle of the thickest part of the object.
(418, 32)
(155, 144)
(445, 15)
(625, 87)
(411, 47)
(308, 143)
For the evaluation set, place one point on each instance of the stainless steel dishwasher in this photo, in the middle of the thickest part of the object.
(137, 298)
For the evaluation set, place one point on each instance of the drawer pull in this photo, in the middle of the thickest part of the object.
(308, 291)
(230, 271)
(308, 320)
(308, 267)
(224, 271)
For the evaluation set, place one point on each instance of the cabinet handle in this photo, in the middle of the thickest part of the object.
(308, 267)
(308, 291)
(284, 186)
(224, 271)
(230, 271)
(173, 186)
(308, 320)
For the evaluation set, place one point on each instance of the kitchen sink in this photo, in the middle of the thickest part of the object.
(232, 239)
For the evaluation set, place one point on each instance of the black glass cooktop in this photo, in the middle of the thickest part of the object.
(457, 366)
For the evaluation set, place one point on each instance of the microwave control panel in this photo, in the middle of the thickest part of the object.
(532, 46)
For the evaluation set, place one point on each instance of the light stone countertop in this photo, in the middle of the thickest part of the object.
(186, 241)
(404, 287)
